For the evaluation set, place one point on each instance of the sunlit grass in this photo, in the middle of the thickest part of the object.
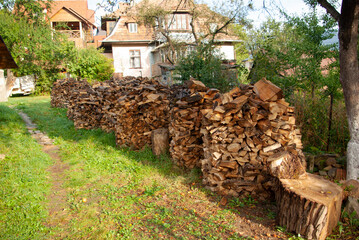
(23, 180)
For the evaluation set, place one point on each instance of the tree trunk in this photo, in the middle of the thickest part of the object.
(330, 120)
(349, 77)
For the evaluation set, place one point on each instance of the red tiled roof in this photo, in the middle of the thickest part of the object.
(122, 33)
(147, 33)
(79, 6)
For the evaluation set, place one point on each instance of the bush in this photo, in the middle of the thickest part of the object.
(312, 119)
(205, 65)
(91, 64)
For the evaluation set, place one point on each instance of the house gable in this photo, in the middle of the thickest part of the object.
(63, 15)
(6, 60)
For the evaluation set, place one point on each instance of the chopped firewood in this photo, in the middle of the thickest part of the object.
(267, 90)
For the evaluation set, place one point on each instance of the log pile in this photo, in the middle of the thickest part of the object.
(108, 92)
(61, 92)
(143, 106)
(84, 106)
(186, 147)
(241, 130)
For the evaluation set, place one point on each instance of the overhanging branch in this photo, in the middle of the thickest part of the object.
(330, 9)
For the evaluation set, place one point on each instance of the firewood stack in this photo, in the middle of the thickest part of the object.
(241, 130)
(84, 106)
(108, 93)
(186, 146)
(61, 92)
(143, 106)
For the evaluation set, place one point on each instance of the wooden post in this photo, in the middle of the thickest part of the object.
(81, 33)
(3, 92)
(160, 141)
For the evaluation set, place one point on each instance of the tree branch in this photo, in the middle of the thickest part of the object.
(330, 9)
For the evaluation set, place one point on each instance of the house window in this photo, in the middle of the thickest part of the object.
(132, 27)
(135, 59)
(179, 21)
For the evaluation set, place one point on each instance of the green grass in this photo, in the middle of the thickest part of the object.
(112, 193)
(23, 180)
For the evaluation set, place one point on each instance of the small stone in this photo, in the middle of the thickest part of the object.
(330, 161)
(332, 172)
(2, 156)
(352, 206)
(352, 187)
(327, 168)
(322, 173)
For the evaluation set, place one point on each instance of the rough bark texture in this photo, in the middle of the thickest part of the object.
(160, 141)
(349, 75)
(310, 207)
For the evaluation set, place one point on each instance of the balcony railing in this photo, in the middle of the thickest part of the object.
(72, 33)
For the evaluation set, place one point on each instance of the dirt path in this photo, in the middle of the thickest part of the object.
(57, 199)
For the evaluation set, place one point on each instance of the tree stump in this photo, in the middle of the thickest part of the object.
(160, 141)
(310, 207)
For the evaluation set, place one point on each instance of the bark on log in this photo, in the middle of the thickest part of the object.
(160, 141)
(310, 207)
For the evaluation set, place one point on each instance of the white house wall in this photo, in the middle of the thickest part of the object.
(121, 60)
(227, 52)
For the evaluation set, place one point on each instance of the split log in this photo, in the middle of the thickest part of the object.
(160, 141)
(267, 91)
(284, 165)
(310, 207)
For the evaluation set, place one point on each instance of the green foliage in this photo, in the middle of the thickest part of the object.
(35, 48)
(91, 64)
(290, 54)
(312, 120)
(205, 65)
(31, 10)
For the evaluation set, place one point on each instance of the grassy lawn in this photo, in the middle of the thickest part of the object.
(23, 180)
(111, 193)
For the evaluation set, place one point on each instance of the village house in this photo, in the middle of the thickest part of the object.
(142, 50)
(74, 19)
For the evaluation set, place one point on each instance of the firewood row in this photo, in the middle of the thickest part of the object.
(110, 92)
(241, 130)
(186, 146)
(143, 106)
(61, 92)
(84, 106)
(245, 141)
